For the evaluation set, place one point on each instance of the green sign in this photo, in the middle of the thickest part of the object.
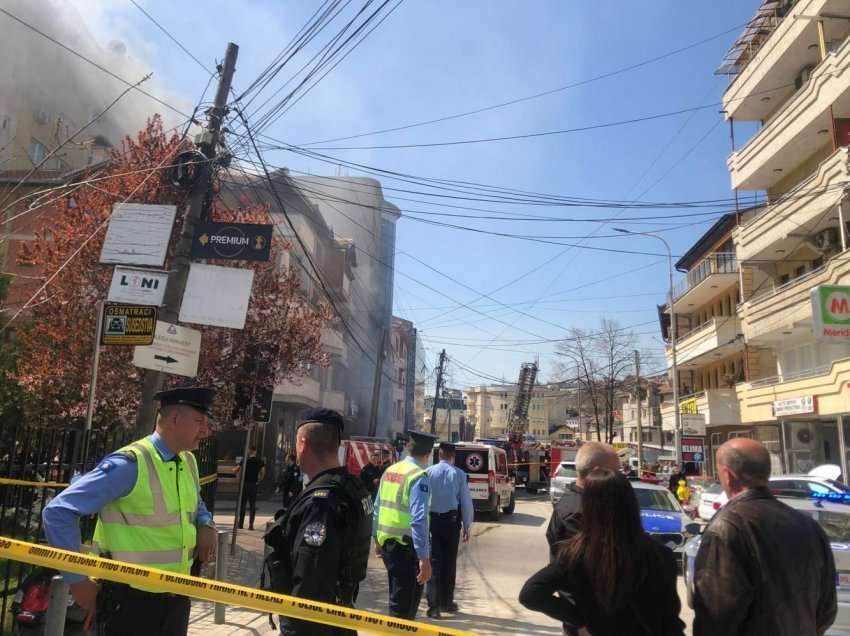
(831, 312)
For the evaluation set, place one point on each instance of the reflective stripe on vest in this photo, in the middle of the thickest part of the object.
(154, 524)
(394, 516)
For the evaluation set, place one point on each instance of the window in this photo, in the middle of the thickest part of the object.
(799, 271)
(784, 279)
(36, 150)
(818, 262)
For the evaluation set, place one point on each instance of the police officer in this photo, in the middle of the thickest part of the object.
(150, 512)
(401, 526)
(320, 546)
(451, 504)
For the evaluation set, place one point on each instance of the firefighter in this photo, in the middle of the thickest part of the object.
(401, 526)
(150, 512)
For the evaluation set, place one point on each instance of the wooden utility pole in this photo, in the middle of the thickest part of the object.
(437, 390)
(200, 195)
(376, 386)
(639, 421)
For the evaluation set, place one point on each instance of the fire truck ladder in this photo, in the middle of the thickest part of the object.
(518, 423)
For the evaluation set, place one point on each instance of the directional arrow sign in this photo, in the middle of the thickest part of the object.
(175, 349)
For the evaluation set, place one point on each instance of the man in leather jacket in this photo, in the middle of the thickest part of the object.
(321, 544)
(762, 567)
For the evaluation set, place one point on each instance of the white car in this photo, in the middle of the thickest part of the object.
(711, 500)
(564, 475)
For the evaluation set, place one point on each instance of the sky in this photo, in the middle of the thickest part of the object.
(436, 58)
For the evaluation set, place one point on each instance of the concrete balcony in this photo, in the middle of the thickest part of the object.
(785, 312)
(304, 391)
(714, 407)
(334, 400)
(799, 129)
(717, 338)
(704, 281)
(799, 212)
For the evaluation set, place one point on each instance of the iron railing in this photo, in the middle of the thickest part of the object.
(717, 263)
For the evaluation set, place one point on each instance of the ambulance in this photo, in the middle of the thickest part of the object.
(486, 467)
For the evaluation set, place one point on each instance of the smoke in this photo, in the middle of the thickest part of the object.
(44, 87)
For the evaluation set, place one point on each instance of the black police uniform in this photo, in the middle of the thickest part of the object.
(290, 484)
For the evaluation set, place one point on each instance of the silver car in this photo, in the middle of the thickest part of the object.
(834, 518)
(564, 475)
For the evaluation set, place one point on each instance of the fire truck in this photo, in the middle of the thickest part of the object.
(526, 456)
(354, 453)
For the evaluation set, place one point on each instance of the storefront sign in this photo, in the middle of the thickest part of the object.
(137, 286)
(689, 407)
(803, 405)
(128, 325)
(831, 312)
(232, 241)
(693, 449)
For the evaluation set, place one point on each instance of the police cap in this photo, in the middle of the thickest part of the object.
(198, 397)
(323, 416)
(422, 442)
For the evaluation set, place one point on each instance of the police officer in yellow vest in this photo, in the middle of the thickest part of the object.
(147, 498)
(401, 525)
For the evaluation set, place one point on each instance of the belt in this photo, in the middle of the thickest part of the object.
(445, 514)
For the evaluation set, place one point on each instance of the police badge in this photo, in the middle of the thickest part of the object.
(315, 533)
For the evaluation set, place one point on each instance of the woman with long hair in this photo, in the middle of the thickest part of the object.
(612, 579)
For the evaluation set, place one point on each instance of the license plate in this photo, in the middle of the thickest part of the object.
(843, 580)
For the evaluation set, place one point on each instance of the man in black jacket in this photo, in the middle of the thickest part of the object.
(762, 567)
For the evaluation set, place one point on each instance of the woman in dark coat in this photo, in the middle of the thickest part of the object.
(611, 578)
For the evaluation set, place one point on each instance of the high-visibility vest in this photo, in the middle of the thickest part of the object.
(394, 516)
(154, 525)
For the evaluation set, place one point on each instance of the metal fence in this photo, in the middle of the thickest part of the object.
(56, 455)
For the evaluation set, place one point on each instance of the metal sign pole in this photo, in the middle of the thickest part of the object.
(95, 364)
(241, 494)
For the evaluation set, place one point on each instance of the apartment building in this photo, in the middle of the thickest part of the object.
(790, 70)
(490, 407)
(409, 376)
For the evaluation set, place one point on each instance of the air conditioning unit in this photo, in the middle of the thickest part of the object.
(802, 437)
(827, 240)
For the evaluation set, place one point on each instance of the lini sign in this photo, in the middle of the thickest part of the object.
(831, 312)
(232, 241)
(128, 325)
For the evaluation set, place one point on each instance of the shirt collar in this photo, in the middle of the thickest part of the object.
(161, 447)
(412, 460)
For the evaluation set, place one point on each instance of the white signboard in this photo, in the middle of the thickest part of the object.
(137, 286)
(174, 350)
(217, 296)
(138, 234)
(803, 405)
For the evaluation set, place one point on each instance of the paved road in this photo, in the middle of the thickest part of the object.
(491, 570)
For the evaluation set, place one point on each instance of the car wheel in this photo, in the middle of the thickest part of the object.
(509, 509)
(689, 591)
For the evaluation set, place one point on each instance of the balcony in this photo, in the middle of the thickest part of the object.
(799, 129)
(304, 391)
(334, 400)
(332, 341)
(779, 226)
(784, 312)
(698, 411)
(776, 45)
(717, 338)
(708, 278)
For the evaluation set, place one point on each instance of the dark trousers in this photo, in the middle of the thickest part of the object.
(445, 539)
(145, 614)
(249, 497)
(402, 569)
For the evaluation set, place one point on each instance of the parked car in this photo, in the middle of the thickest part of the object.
(820, 480)
(711, 500)
(835, 521)
(565, 474)
(663, 517)
(490, 484)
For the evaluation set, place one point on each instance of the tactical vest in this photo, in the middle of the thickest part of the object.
(394, 517)
(154, 525)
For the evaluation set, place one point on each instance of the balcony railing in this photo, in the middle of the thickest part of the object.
(796, 375)
(770, 292)
(718, 263)
(761, 26)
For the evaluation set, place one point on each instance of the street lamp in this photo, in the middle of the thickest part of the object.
(677, 422)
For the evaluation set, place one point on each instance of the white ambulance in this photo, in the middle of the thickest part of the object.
(490, 483)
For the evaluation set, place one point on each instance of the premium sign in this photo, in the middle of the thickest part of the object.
(174, 350)
(693, 449)
(803, 405)
(831, 312)
(138, 286)
(232, 241)
(128, 325)
(138, 234)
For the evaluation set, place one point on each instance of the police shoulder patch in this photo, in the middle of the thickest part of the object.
(423, 486)
(315, 533)
(322, 494)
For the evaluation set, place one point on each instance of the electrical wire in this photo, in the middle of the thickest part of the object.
(172, 38)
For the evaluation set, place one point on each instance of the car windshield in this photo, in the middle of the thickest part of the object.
(566, 470)
(656, 500)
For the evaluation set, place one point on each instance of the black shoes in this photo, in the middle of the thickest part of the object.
(452, 608)
(434, 613)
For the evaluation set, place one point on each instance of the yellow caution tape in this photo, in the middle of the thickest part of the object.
(6, 481)
(208, 479)
(215, 591)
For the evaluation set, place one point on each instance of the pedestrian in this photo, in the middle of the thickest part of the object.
(618, 581)
(762, 567)
(566, 516)
(371, 474)
(290, 483)
(320, 546)
(255, 472)
(451, 507)
(401, 526)
(676, 475)
(150, 513)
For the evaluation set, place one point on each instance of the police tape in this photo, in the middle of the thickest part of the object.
(8, 481)
(208, 479)
(215, 591)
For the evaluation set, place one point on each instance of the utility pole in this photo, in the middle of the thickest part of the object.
(437, 391)
(376, 385)
(199, 199)
(639, 421)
